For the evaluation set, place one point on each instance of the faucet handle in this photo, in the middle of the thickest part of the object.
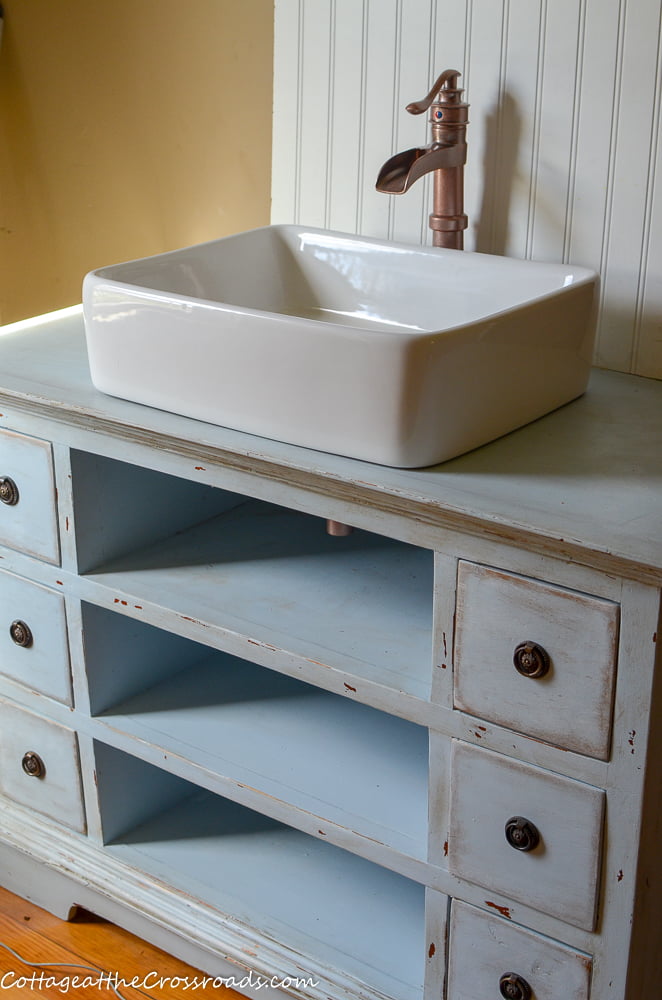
(447, 79)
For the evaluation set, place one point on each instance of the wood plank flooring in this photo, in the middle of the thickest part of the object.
(91, 944)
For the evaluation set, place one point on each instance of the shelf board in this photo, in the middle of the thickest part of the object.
(350, 765)
(336, 911)
(361, 604)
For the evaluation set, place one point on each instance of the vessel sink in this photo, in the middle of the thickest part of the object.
(400, 355)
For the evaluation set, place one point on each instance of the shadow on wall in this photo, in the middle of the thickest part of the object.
(503, 126)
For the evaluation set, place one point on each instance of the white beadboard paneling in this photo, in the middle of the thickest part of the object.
(564, 134)
(599, 41)
(450, 25)
(413, 82)
(485, 23)
(287, 110)
(316, 101)
(552, 163)
(346, 117)
(380, 102)
(648, 331)
(517, 137)
(623, 263)
(287, 73)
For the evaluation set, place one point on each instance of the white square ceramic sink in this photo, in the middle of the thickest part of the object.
(395, 354)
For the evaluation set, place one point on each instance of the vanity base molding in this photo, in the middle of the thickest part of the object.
(61, 894)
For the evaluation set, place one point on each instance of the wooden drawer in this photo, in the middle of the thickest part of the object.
(559, 876)
(484, 949)
(33, 637)
(28, 519)
(570, 705)
(56, 792)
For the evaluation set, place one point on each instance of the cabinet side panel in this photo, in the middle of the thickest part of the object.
(645, 969)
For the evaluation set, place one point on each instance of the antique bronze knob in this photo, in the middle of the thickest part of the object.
(514, 987)
(21, 634)
(522, 834)
(531, 660)
(33, 765)
(8, 491)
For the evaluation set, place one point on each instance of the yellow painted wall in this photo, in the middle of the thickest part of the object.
(126, 128)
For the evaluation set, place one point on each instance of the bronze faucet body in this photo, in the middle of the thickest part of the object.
(445, 157)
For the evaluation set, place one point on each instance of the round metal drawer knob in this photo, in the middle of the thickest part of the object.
(21, 634)
(522, 834)
(8, 491)
(514, 987)
(531, 660)
(33, 765)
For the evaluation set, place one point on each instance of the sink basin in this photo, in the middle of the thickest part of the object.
(401, 355)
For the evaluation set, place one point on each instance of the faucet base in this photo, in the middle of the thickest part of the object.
(448, 231)
(446, 240)
(447, 220)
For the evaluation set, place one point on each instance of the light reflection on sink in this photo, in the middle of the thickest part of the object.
(395, 354)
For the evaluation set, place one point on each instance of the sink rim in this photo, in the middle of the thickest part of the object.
(576, 276)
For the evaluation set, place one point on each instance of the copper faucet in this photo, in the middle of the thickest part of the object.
(445, 156)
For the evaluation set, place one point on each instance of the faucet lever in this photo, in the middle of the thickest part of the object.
(448, 77)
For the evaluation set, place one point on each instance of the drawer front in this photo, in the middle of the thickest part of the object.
(33, 637)
(498, 806)
(28, 518)
(565, 698)
(486, 951)
(39, 766)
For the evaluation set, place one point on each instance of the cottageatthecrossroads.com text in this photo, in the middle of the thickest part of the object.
(151, 981)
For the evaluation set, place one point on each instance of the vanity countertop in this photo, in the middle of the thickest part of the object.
(584, 482)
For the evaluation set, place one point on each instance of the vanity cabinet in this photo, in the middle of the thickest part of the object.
(420, 761)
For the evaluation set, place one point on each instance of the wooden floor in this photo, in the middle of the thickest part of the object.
(59, 945)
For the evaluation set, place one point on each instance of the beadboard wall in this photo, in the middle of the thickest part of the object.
(564, 142)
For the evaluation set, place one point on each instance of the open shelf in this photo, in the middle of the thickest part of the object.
(334, 910)
(339, 761)
(360, 604)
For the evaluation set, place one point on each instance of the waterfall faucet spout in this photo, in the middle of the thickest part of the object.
(445, 157)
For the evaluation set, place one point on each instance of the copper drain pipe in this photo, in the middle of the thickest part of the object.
(338, 529)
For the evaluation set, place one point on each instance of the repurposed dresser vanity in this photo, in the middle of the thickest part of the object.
(423, 760)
